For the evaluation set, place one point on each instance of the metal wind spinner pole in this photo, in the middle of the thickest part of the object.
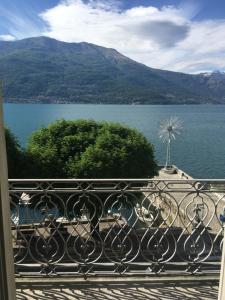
(168, 152)
(169, 129)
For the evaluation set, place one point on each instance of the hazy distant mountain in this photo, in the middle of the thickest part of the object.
(49, 71)
(215, 81)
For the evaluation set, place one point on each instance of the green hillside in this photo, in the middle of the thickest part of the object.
(49, 71)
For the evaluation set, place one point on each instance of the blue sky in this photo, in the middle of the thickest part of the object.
(179, 35)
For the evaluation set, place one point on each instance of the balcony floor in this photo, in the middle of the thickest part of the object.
(203, 290)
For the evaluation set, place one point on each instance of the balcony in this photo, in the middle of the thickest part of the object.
(170, 290)
(92, 231)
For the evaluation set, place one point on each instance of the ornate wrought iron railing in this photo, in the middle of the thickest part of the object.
(90, 227)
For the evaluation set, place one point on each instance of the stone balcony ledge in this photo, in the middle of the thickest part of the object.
(197, 290)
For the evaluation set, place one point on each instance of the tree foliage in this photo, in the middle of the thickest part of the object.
(89, 149)
(14, 155)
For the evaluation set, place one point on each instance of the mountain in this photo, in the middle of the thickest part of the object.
(215, 82)
(49, 71)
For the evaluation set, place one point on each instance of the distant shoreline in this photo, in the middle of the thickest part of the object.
(111, 103)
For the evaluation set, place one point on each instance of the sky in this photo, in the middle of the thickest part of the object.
(179, 35)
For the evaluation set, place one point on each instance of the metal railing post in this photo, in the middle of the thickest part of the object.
(7, 280)
(221, 295)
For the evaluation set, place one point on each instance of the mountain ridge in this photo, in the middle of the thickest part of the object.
(44, 70)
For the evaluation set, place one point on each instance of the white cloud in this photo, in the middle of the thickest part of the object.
(162, 38)
(7, 37)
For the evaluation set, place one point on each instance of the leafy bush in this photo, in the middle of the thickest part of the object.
(89, 149)
(15, 154)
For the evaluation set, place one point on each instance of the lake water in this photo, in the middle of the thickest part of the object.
(199, 151)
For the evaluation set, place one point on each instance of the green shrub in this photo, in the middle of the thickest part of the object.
(89, 149)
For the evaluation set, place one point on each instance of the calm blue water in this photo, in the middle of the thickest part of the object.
(200, 150)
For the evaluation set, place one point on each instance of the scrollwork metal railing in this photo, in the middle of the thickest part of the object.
(89, 227)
